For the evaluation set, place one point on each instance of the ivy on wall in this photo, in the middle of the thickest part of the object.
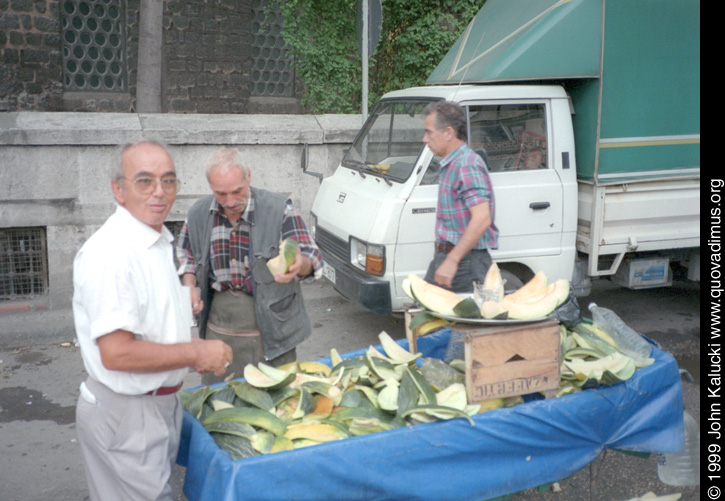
(415, 36)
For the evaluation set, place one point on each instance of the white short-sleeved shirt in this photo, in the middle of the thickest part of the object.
(124, 278)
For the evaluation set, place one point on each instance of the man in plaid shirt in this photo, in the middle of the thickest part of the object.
(222, 250)
(465, 228)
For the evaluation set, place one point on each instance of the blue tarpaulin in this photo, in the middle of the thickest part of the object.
(508, 449)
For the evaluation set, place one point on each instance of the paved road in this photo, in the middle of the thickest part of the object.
(40, 458)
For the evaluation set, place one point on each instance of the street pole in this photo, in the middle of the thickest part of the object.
(148, 80)
(365, 42)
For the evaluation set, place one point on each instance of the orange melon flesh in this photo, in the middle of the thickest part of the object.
(533, 305)
(493, 282)
(536, 284)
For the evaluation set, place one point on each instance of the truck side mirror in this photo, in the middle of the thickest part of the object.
(305, 160)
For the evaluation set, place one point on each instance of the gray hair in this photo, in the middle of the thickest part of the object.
(226, 159)
(448, 114)
(117, 173)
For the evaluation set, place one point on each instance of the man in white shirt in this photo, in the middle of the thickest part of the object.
(133, 321)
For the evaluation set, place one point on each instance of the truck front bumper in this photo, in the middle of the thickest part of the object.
(355, 286)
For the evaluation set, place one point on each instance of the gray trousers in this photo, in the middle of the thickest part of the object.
(232, 319)
(129, 443)
(472, 268)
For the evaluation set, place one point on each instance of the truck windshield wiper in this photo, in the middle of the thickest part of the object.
(359, 166)
(386, 178)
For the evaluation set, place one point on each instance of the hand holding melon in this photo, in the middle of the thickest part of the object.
(287, 254)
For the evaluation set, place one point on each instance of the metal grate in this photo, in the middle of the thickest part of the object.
(332, 245)
(94, 49)
(23, 263)
(271, 65)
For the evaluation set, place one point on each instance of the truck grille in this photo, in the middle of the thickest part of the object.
(330, 245)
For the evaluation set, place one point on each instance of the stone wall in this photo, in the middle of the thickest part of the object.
(207, 55)
(30, 56)
(207, 59)
(56, 170)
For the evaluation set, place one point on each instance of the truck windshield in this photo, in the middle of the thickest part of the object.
(391, 140)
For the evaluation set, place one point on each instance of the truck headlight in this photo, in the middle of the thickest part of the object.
(368, 257)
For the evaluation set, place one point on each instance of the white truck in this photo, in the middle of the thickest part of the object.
(587, 113)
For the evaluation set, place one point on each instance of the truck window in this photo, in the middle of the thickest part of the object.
(391, 140)
(513, 137)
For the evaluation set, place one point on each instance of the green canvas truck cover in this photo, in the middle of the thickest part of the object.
(632, 69)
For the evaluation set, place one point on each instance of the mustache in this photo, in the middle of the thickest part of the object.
(235, 207)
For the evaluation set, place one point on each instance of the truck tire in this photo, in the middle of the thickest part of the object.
(511, 281)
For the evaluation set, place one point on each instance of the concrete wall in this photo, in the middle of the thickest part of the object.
(55, 173)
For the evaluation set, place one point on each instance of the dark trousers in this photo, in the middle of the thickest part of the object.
(472, 268)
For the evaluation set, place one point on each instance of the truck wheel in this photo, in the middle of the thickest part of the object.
(511, 281)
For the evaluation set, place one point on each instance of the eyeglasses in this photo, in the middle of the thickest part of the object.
(146, 185)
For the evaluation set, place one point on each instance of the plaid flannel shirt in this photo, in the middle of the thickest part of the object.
(229, 252)
(463, 183)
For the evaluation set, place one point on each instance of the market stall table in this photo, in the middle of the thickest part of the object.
(508, 449)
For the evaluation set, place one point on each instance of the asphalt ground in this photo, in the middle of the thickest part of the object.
(39, 377)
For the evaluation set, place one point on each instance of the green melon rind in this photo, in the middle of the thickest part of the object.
(285, 258)
(433, 298)
(237, 447)
(467, 308)
(250, 415)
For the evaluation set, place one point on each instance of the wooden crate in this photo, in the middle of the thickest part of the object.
(504, 361)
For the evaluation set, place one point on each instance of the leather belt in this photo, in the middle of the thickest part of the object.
(444, 247)
(165, 390)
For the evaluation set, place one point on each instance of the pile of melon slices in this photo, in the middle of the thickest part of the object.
(536, 299)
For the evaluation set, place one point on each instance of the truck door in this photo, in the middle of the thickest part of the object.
(528, 190)
(514, 140)
(414, 248)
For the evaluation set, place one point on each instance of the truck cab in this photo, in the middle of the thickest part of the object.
(374, 218)
(625, 205)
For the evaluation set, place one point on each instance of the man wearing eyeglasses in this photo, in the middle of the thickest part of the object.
(223, 250)
(465, 227)
(133, 321)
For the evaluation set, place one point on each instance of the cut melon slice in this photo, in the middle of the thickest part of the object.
(250, 415)
(467, 308)
(559, 289)
(319, 432)
(453, 396)
(493, 283)
(281, 444)
(539, 307)
(493, 309)
(269, 378)
(287, 253)
(406, 288)
(397, 353)
(529, 305)
(433, 298)
(536, 284)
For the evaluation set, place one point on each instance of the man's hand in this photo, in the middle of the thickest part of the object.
(196, 303)
(189, 280)
(213, 356)
(122, 351)
(477, 226)
(301, 266)
(445, 272)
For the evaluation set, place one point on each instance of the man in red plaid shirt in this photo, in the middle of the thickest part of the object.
(223, 249)
(465, 228)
